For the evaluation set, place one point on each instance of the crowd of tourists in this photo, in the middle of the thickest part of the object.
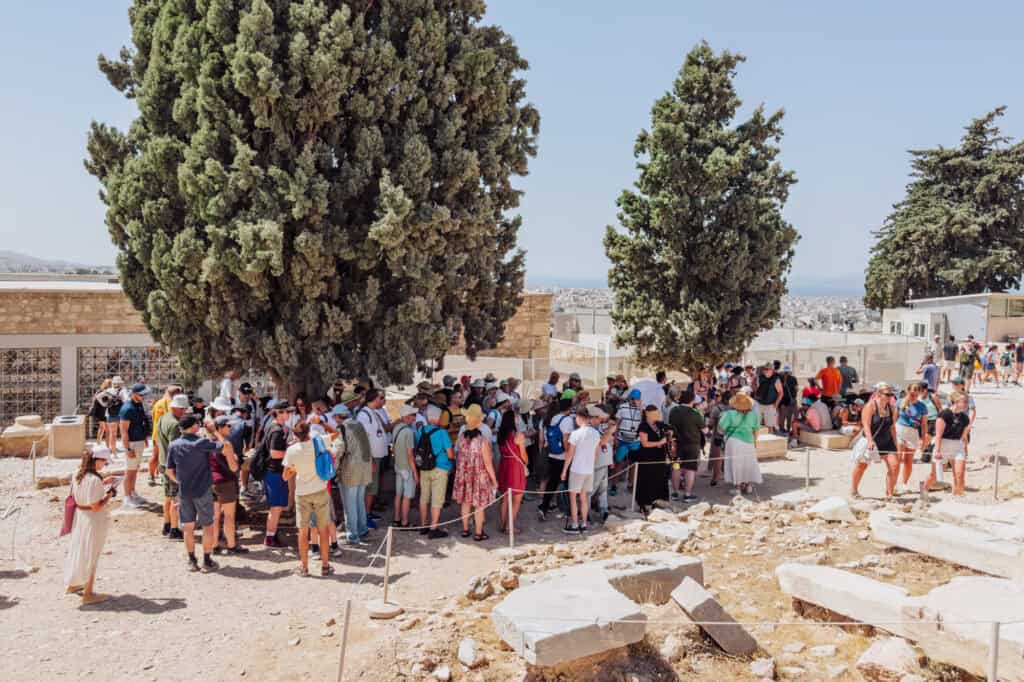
(468, 442)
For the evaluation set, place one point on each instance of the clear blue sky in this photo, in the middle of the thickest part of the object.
(860, 83)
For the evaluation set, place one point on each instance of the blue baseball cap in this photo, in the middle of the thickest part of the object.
(340, 410)
(634, 394)
(140, 389)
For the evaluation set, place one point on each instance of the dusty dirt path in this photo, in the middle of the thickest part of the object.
(243, 621)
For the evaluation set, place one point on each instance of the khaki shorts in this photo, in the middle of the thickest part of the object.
(135, 447)
(581, 483)
(908, 436)
(433, 484)
(951, 365)
(316, 504)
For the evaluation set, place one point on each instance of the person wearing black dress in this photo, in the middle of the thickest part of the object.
(652, 476)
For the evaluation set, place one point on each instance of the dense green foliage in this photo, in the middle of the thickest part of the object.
(700, 266)
(960, 229)
(317, 187)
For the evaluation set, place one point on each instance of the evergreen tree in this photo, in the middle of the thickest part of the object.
(960, 229)
(701, 264)
(317, 187)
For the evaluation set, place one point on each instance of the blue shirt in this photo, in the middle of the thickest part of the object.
(189, 456)
(439, 443)
(911, 415)
(135, 414)
(930, 373)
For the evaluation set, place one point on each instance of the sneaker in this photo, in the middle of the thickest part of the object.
(129, 503)
(570, 529)
(437, 533)
(166, 530)
(326, 570)
(542, 515)
(209, 565)
(237, 549)
(793, 442)
(335, 550)
(370, 524)
(175, 534)
(193, 565)
(582, 528)
(675, 495)
(272, 541)
(138, 499)
(424, 531)
(613, 491)
(373, 517)
(690, 499)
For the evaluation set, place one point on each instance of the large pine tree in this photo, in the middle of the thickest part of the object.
(317, 187)
(960, 228)
(700, 265)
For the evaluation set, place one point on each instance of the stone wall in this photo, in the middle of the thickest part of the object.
(68, 312)
(26, 311)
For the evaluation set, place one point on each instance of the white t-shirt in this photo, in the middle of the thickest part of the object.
(302, 456)
(566, 423)
(316, 429)
(549, 389)
(586, 439)
(522, 427)
(227, 389)
(374, 425)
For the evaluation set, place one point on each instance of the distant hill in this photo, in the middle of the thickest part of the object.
(11, 261)
(851, 284)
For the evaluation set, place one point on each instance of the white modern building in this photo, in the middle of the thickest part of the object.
(993, 317)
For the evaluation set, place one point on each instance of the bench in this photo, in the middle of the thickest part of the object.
(826, 440)
(771, 447)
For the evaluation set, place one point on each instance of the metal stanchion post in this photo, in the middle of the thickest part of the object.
(995, 479)
(510, 521)
(807, 477)
(344, 638)
(993, 654)
(34, 443)
(387, 565)
(636, 475)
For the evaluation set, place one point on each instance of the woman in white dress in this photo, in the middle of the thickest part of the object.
(739, 427)
(92, 521)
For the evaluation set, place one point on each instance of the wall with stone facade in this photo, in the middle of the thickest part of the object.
(527, 334)
(68, 312)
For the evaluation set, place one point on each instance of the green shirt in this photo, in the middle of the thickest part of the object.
(739, 425)
(404, 441)
(166, 431)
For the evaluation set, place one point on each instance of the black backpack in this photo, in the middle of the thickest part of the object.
(261, 456)
(423, 453)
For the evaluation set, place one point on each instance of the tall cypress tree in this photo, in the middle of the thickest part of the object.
(317, 187)
(700, 265)
(960, 228)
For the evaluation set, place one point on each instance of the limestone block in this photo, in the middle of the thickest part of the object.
(17, 441)
(33, 421)
(647, 577)
(792, 500)
(702, 608)
(771, 447)
(954, 624)
(1005, 520)
(888, 660)
(67, 437)
(848, 594)
(671, 532)
(559, 620)
(964, 546)
(826, 440)
(832, 509)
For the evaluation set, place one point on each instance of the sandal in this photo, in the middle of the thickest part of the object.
(301, 571)
(326, 570)
(466, 533)
(480, 537)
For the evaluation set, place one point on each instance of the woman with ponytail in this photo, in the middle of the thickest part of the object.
(91, 523)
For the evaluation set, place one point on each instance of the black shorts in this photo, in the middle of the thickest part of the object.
(688, 460)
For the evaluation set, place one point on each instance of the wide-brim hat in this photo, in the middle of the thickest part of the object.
(474, 416)
(221, 404)
(180, 402)
(742, 402)
(525, 406)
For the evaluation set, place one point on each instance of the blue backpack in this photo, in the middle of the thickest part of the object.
(325, 468)
(554, 436)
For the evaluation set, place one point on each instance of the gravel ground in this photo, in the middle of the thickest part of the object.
(253, 619)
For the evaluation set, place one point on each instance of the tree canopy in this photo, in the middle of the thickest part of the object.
(699, 267)
(960, 228)
(320, 187)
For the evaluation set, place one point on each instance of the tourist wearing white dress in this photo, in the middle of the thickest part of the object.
(92, 521)
(739, 427)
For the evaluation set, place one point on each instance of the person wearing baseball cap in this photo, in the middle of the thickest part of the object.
(90, 525)
(407, 477)
(167, 431)
(224, 468)
(160, 407)
(188, 465)
(134, 438)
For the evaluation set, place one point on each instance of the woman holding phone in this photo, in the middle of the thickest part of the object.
(91, 493)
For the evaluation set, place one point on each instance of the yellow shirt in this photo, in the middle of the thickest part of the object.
(160, 408)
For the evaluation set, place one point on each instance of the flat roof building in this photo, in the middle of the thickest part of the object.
(993, 316)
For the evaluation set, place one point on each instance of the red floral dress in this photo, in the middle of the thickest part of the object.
(472, 484)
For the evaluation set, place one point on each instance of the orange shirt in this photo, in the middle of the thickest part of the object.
(830, 379)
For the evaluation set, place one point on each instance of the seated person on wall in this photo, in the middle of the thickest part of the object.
(849, 416)
(813, 416)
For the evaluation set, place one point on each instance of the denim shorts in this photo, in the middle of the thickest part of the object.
(277, 489)
(623, 450)
(192, 508)
(405, 483)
